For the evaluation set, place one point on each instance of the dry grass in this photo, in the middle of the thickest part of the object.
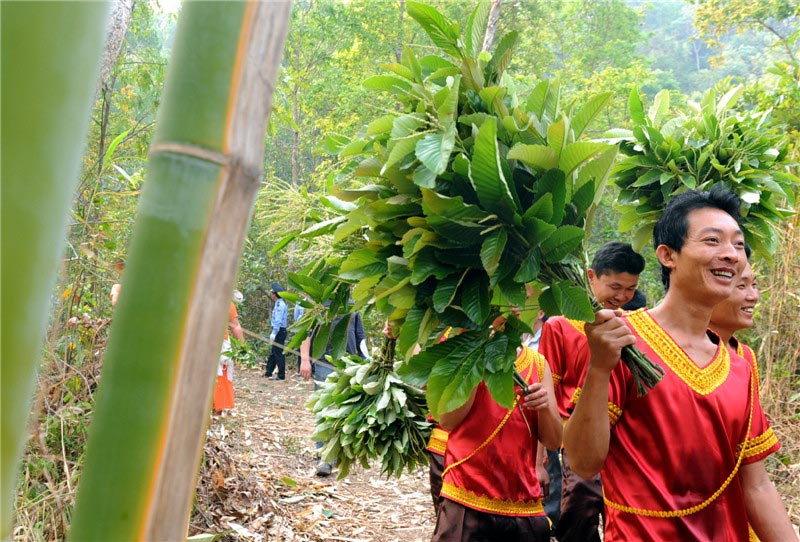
(775, 339)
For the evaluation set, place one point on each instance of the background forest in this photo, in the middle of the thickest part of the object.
(590, 46)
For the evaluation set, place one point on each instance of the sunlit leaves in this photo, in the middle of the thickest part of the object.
(718, 144)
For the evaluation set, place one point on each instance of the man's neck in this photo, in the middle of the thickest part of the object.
(682, 317)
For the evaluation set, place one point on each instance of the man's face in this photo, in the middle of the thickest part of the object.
(711, 259)
(736, 312)
(612, 289)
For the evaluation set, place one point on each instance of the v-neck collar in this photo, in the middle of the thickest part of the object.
(702, 380)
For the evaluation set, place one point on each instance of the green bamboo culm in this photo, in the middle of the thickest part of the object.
(50, 59)
(148, 429)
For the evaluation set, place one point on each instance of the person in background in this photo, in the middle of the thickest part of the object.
(298, 312)
(277, 336)
(613, 278)
(638, 301)
(734, 314)
(119, 267)
(223, 390)
(321, 368)
(660, 481)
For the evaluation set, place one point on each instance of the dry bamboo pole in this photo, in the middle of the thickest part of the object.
(153, 403)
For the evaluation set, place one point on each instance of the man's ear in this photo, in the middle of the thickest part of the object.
(666, 256)
(591, 274)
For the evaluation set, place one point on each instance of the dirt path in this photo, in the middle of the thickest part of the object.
(258, 478)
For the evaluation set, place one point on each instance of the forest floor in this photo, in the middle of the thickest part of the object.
(258, 479)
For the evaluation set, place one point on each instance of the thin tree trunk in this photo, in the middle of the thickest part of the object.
(491, 26)
(398, 50)
(120, 18)
(296, 121)
(106, 111)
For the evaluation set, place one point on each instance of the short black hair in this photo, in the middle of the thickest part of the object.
(748, 251)
(616, 257)
(638, 301)
(673, 224)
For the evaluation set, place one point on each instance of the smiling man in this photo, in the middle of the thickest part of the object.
(613, 278)
(686, 461)
(736, 312)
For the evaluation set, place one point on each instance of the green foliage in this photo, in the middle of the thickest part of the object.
(455, 192)
(242, 353)
(715, 144)
(366, 413)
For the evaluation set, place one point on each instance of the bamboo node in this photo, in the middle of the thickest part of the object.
(192, 150)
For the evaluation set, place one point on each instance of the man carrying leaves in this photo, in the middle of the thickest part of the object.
(686, 461)
(490, 490)
(613, 278)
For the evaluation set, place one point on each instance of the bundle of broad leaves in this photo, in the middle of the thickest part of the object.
(446, 207)
(719, 142)
(366, 413)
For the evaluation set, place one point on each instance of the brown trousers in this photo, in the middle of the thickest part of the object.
(436, 470)
(581, 506)
(457, 523)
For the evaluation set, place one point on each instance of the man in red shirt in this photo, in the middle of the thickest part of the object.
(613, 277)
(686, 461)
(490, 490)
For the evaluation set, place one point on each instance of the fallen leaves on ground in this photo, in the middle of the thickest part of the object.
(257, 480)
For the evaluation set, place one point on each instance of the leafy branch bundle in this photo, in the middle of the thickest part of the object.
(716, 144)
(462, 195)
(365, 412)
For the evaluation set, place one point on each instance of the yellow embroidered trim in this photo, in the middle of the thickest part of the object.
(523, 363)
(696, 508)
(703, 381)
(760, 444)
(579, 325)
(740, 348)
(556, 379)
(490, 504)
(751, 534)
(525, 360)
(540, 361)
(438, 440)
(614, 412)
(576, 396)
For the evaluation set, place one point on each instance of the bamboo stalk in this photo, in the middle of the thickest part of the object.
(146, 438)
(50, 57)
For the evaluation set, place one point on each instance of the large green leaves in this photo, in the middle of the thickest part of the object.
(487, 175)
(473, 192)
(718, 144)
(442, 31)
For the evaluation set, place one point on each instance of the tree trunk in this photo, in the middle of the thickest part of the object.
(491, 26)
(120, 18)
(296, 121)
(106, 111)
